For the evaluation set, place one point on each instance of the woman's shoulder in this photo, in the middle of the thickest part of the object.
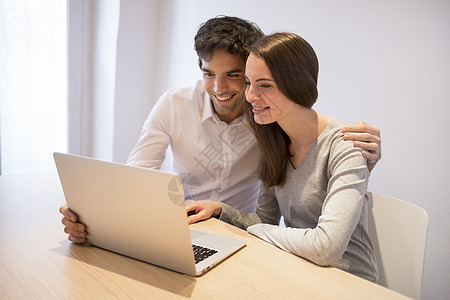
(337, 124)
(333, 129)
(333, 137)
(340, 149)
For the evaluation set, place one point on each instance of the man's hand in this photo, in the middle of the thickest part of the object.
(77, 231)
(202, 210)
(367, 138)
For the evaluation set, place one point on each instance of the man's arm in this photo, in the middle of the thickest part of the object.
(150, 149)
(366, 137)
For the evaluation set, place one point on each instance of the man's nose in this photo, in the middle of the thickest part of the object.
(220, 85)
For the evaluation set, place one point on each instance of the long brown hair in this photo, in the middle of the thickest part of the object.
(294, 68)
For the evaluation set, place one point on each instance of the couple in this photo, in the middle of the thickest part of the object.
(310, 174)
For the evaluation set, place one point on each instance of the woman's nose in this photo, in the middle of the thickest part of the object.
(250, 93)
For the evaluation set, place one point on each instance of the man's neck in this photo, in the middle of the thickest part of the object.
(228, 118)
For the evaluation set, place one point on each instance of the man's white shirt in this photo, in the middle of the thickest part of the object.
(215, 160)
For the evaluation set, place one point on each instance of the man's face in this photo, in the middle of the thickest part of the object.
(223, 77)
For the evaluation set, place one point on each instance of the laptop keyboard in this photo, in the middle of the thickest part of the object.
(201, 253)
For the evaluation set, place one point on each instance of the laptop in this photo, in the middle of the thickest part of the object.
(140, 213)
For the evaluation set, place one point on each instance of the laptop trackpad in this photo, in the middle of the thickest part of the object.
(195, 234)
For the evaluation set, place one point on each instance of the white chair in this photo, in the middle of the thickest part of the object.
(398, 230)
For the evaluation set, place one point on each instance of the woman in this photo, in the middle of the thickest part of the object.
(311, 176)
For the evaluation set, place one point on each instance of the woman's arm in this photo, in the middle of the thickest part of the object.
(341, 211)
(266, 212)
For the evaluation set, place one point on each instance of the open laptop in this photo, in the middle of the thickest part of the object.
(138, 212)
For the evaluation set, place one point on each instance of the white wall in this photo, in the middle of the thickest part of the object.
(104, 41)
(386, 62)
(136, 75)
(114, 50)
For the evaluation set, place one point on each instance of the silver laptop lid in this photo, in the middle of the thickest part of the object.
(134, 211)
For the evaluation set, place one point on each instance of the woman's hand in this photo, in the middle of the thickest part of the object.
(202, 210)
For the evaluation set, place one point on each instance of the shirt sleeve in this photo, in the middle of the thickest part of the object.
(150, 150)
(326, 243)
(267, 211)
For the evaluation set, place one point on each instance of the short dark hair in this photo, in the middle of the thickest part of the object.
(231, 34)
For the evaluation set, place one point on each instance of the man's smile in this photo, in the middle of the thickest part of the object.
(223, 98)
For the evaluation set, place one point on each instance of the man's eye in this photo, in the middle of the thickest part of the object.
(208, 75)
(233, 75)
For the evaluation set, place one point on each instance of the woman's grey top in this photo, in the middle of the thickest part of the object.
(324, 204)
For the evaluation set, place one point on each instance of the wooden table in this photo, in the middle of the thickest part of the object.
(38, 262)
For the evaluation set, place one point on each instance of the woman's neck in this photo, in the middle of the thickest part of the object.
(303, 126)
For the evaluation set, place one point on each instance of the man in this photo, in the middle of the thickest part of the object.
(213, 149)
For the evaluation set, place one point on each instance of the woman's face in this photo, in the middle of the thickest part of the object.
(269, 104)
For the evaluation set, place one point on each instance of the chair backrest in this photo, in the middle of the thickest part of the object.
(398, 230)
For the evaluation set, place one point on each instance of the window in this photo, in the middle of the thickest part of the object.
(33, 84)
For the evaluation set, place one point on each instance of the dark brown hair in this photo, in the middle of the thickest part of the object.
(231, 34)
(294, 68)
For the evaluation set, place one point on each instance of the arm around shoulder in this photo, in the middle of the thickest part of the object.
(366, 137)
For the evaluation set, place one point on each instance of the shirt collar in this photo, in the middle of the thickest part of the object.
(207, 108)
